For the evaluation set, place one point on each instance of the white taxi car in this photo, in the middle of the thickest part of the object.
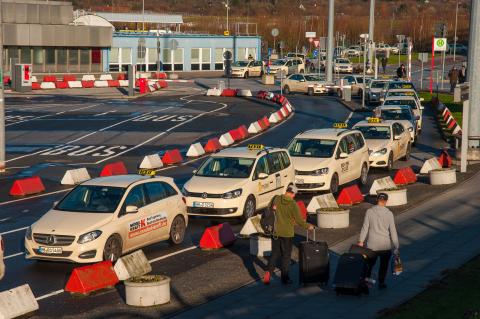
(387, 141)
(324, 159)
(245, 69)
(310, 84)
(414, 103)
(402, 114)
(342, 65)
(2, 251)
(106, 217)
(236, 182)
(288, 66)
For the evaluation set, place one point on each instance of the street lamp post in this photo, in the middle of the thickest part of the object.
(2, 101)
(455, 36)
(365, 37)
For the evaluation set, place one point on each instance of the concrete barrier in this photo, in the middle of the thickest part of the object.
(117, 168)
(47, 85)
(101, 84)
(226, 139)
(106, 77)
(17, 302)
(61, 85)
(132, 265)
(333, 219)
(325, 201)
(382, 183)
(429, 165)
(350, 195)
(172, 157)
(34, 79)
(274, 118)
(396, 197)
(195, 150)
(75, 176)
(251, 226)
(284, 113)
(254, 128)
(244, 93)
(260, 246)
(88, 77)
(443, 176)
(86, 279)
(123, 83)
(147, 291)
(27, 186)
(75, 84)
(213, 145)
(214, 92)
(151, 162)
(49, 78)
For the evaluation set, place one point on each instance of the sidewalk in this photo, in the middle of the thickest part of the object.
(437, 235)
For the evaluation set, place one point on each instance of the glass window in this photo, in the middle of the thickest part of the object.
(351, 146)
(275, 162)
(195, 56)
(155, 192)
(167, 56)
(49, 56)
(285, 159)
(262, 167)
(342, 147)
(229, 167)
(375, 132)
(178, 56)
(126, 56)
(12, 53)
(206, 55)
(218, 55)
(73, 57)
(92, 199)
(84, 56)
(62, 56)
(359, 140)
(26, 55)
(136, 197)
(312, 148)
(152, 55)
(113, 56)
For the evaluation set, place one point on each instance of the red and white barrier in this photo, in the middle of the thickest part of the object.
(88, 77)
(226, 140)
(275, 118)
(151, 162)
(123, 83)
(195, 150)
(214, 92)
(101, 84)
(254, 128)
(47, 85)
(106, 77)
(75, 84)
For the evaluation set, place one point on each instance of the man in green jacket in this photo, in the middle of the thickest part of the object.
(287, 214)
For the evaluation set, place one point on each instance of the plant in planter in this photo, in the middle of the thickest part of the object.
(147, 290)
(333, 217)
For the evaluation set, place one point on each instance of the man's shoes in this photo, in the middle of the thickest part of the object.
(266, 278)
(287, 281)
(382, 286)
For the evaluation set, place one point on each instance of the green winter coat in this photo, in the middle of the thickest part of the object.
(287, 215)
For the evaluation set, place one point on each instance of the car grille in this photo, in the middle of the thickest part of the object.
(53, 240)
(303, 172)
(310, 186)
(211, 211)
(204, 195)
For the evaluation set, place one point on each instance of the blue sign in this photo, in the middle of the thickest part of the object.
(269, 51)
(315, 53)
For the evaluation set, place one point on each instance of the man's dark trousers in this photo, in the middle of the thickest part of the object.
(384, 256)
(281, 248)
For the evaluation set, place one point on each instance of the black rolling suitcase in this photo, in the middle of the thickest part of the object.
(314, 262)
(350, 275)
(364, 251)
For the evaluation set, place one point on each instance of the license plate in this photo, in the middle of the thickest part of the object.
(299, 181)
(203, 204)
(50, 250)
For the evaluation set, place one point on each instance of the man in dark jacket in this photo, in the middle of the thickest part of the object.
(401, 72)
(384, 61)
(453, 77)
(287, 214)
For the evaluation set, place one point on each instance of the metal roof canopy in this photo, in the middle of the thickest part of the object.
(139, 17)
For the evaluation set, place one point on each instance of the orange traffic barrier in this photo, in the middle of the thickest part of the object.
(444, 159)
(113, 83)
(27, 186)
(90, 278)
(303, 209)
(49, 78)
(229, 93)
(243, 131)
(69, 77)
(172, 157)
(117, 168)
(405, 176)
(61, 85)
(88, 84)
(350, 195)
(218, 236)
(235, 134)
(213, 145)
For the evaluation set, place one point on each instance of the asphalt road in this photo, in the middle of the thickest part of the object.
(197, 276)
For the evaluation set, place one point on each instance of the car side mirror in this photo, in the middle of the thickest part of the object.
(55, 203)
(343, 155)
(396, 137)
(422, 99)
(131, 209)
(262, 176)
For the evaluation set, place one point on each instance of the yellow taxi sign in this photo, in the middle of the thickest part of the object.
(340, 125)
(147, 172)
(226, 33)
(374, 120)
(255, 147)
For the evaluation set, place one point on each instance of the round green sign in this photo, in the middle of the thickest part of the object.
(440, 43)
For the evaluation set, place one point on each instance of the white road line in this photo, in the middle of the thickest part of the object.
(14, 255)
(53, 293)
(349, 117)
(36, 196)
(172, 254)
(5, 219)
(13, 231)
(105, 113)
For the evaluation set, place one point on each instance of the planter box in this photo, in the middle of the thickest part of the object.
(268, 79)
(147, 290)
(444, 176)
(333, 218)
(396, 197)
(260, 246)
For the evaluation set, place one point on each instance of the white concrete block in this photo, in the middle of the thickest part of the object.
(251, 226)
(457, 129)
(106, 77)
(17, 302)
(274, 118)
(47, 85)
(254, 128)
(382, 183)
(333, 219)
(75, 176)
(132, 265)
(244, 93)
(195, 150)
(88, 77)
(226, 139)
(123, 83)
(260, 246)
(75, 84)
(429, 165)
(143, 75)
(321, 201)
(34, 79)
(101, 84)
(444, 176)
(214, 92)
(151, 162)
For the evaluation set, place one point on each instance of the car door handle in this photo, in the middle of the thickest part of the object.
(271, 182)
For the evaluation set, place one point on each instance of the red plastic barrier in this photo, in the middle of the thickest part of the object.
(229, 93)
(172, 157)
(303, 209)
(217, 237)
(280, 114)
(69, 77)
(159, 75)
(117, 168)
(143, 85)
(243, 131)
(92, 277)
(262, 94)
(61, 85)
(163, 84)
(236, 135)
(213, 145)
(27, 186)
(444, 159)
(121, 76)
(49, 78)
(405, 176)
(446, 115)
(88, 84)
(281, 99)
(452, 124)
(36, 86)
(285, 109)
(6, 80)
(350, 195)
(265, 121)
(113, 83)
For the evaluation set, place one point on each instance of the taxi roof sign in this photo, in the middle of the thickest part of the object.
(374, 120)
(147, 172)
(340, 125)
(255, 147)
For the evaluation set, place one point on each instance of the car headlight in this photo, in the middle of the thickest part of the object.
(321, 171)
(410, 129)
(383, 151)
(28, 233)
(88, 237)
(233, 194)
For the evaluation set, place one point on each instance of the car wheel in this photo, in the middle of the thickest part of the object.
(246, 75)
(334, 184)
(113, 248)
(250, 208)
(407, 152)
(364, 174)
(177, 230)
(390, 162)
(310, 91)
(286, 89)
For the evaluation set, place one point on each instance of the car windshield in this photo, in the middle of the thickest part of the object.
(397, 114)
(312, 148)
(92, 199)
(401, 85)
(401, 93)
(312, 78)
(343, 61)
(377, 85)
(278, 62)
(375, 132)
(410, 103)
(230, 167)
(241, 63)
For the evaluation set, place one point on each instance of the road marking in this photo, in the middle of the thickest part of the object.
(105, 113)
(14, 255)
(172, 254)
(5, 219)
(14, 230)
(36, 196)
(53, 293)
(349, 117)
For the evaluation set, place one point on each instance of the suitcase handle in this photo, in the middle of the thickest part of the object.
(313, 234)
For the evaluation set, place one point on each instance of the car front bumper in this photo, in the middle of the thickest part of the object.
(379, 160)
(215, 207)
(310, 183)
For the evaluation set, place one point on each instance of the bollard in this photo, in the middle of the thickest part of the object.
(347, 94)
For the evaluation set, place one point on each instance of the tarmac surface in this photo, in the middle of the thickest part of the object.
(49, 133)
